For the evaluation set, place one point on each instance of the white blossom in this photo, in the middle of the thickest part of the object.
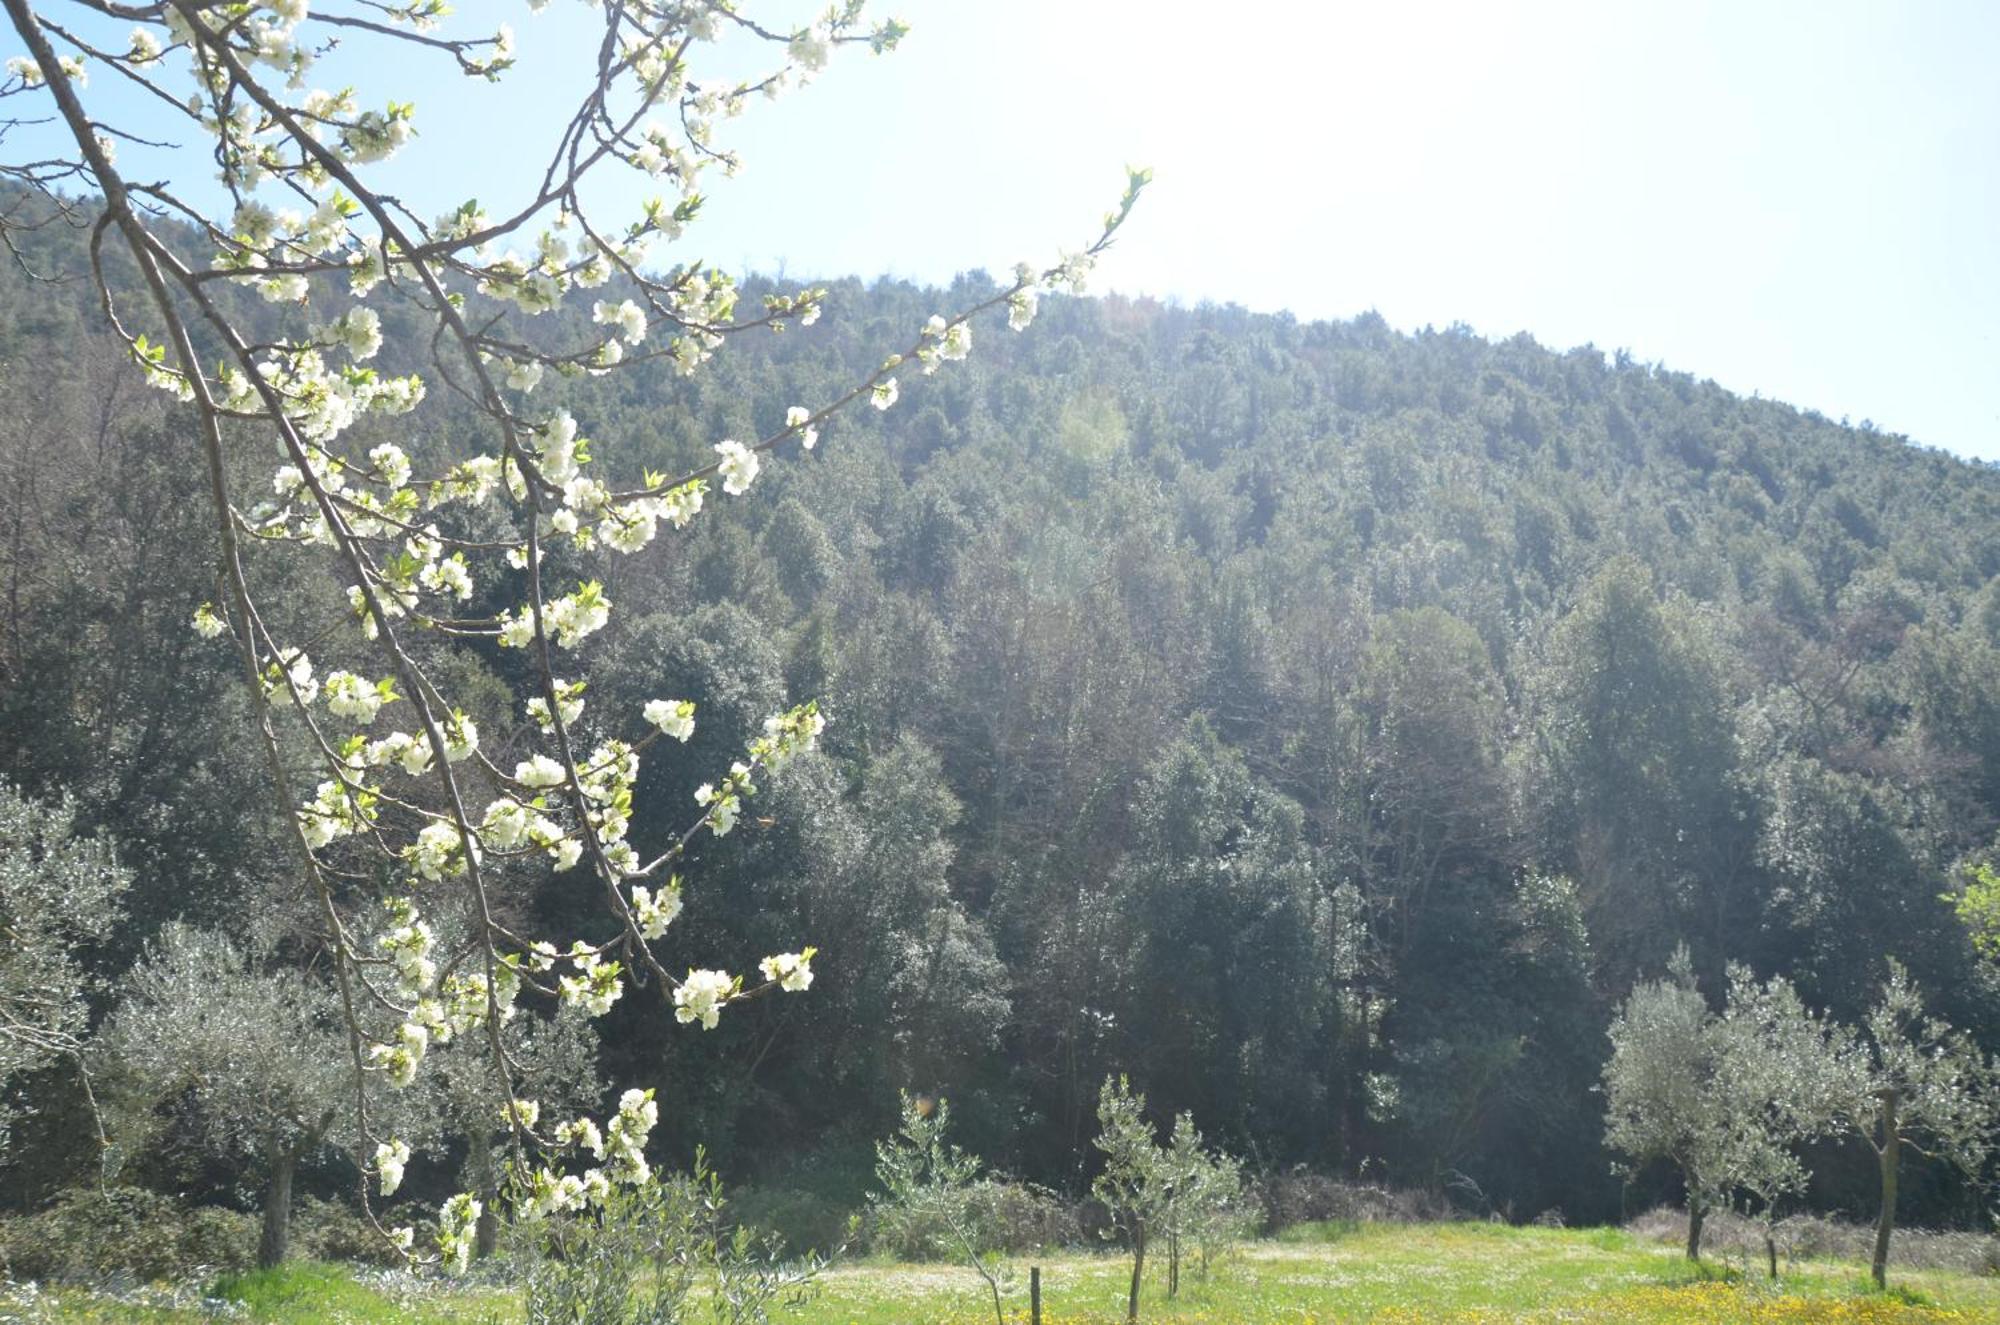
(390, 1159)
(791, 970)
(653, 913)
(540, 771)
(738, 466)
(796, 418)
(674, 717)
(700, 997)
(207, 622)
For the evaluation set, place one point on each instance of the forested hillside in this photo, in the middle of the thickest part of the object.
(1323, 725)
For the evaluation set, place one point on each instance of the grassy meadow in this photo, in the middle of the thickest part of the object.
(1383, 1274)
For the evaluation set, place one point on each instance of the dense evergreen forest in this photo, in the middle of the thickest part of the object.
(1323, 725)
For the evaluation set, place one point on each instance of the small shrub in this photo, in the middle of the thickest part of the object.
(810, 1220)
(88, 1235)
(1006, 1215)
(659, 1252)
(1019, 1217)
(1300, 1196)
(336, 1231)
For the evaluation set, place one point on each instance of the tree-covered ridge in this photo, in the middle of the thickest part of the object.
(1324, 726)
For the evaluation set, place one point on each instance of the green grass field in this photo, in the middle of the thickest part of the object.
(1314, 1275)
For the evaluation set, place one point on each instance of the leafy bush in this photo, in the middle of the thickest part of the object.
(1007, 1215)
(659, 1253)
(88, 1235)
(335, 1231)
(1299, 1196)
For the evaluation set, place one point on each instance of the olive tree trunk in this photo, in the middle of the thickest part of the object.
(1890, 1154)
(479, 1159)
(1138, 1268)
(1697, 1216)
(276, 1238)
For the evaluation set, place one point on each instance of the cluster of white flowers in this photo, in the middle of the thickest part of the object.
(569, 706)
(408, 945)
(583, 1134)
(799, 419)
(292, 669)
(208, 623)
(31, 75)
(738, 466)
(652, 913)
(540, 771)
(625, 1136)
(458, 1224)
(350, 696)
(620, 1149)
(335, 811)
(440, 852)
(578, 615)
(723, 804)
(412, 753)
(944, 342)
(700, 997)
(674, 717)
(594, 986)
(787, 735)
(399, 1059)
(627, 317)
(791, 971)
(390, 1159)
(1023, 303)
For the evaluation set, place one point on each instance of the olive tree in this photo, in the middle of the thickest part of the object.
(1780, 1073)
(1915, 1081)
(490, 533)
(1727, 1098)
(1130, 1184)
(1203, 1191)
(59, 894)
(1180, 1192)
(252, 1057)
(929, 1184)
(1659, 1088)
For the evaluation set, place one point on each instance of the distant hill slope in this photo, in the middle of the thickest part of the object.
(1323, 725)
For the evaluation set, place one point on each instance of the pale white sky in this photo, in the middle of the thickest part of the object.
(1797, 199)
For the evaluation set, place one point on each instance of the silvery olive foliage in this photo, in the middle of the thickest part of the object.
(1727, 1098)
(1781, 1073)
(410, 800)
(245, 1053)
(1915, 1080)
(1204, 1209)
(929, 1184)
(1179, 1193)
(59, 893)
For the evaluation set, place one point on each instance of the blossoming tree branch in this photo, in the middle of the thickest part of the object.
(409, 814)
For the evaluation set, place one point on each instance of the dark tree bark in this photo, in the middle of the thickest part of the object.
(277, 1235)
(1697, 1216)
(486, 1233)
(1138, 1268)
(1889, 1151)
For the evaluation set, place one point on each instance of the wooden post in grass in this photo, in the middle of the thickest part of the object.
(1035, 1294)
